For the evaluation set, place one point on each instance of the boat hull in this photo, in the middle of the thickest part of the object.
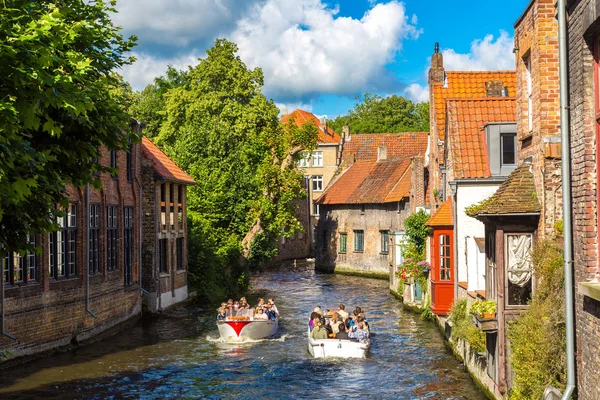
(247, 330)
(342, 348)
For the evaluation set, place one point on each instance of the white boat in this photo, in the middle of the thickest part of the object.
(343, 348)
(234, 330)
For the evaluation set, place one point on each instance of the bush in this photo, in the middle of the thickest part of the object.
(464, 328)
(538, 336)
(417, 231)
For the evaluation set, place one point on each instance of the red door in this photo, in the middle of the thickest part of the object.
(442, 271)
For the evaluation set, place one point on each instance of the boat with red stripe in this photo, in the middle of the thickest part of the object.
(246, 328)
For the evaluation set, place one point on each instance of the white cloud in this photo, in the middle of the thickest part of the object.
(485, 54)
(148, 67)
(303, 48)
(416, 93)
(287, 108)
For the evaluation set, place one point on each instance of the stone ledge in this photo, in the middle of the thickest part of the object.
(589, 289)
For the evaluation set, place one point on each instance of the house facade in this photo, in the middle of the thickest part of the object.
(319, 167)
(583, 23)
(86, 277)
(164, 245)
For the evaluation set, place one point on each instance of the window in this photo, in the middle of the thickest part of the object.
(444, 257)
(113, 162)
(163, 206)
(111, 238)
(128, 244)
(162, 243)
(18, 268)
(316, 211)
(343, 242)
(93, 245)
(317, 183)
(317, 159)
(359, 241)
(63, 244)
(385, 242)
(519, 271)
(180, 206)
(509, 146)
(130, 161)
(303, 160)
(529, 93)
(179, 244)
(171, 207)
(490, 264)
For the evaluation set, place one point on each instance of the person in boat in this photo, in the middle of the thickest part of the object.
(260, 315)
(261, 302)
(319, 332)
(270, 313)
(335, 323)
(358, 332)
(229, 310)
(343, 313)
(314, 317)
(342, 334)
(273, 306)
(221, 314)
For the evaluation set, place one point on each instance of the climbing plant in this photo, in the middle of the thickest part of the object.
(464, 328)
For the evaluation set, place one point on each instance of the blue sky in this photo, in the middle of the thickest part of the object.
(319, 54)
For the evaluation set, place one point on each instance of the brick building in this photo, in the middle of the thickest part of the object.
(164, 244)
(319, 168)
(584, 82)
(368, 201)
(48, 300)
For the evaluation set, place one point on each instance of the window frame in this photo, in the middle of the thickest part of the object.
(506, 260)
(385, 241)
(179, 253)
(128, 245)
(343, 243)
(113, 164)
(163, 250)
(303, 160)
(94, 220)
(359, 240)
(112, 238)
(317, 159)
(514, 139)
(317, 183)
(27, 266)
(445, 271)
(65, 240)
(316, 211)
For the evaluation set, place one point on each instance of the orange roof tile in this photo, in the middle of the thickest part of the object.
(301, 117)
(466, 137)
(363, 147)
(443, 216)
(162, 164)
(463, 84)
(367, 182)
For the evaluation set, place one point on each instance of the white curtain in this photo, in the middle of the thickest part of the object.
(519, 259)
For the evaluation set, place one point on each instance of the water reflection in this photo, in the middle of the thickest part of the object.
(181, 356)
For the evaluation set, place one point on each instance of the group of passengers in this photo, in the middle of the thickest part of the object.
(339, 324)
(231, 310)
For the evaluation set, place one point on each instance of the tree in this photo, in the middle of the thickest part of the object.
(59, 103)
(374, 114)
(224, 132)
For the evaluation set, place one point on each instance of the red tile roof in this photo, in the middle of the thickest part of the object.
(301, 117)
(162, 164)
(443, 216)
(465, 84)
(363, 147)
(368, 182)
(466, 137)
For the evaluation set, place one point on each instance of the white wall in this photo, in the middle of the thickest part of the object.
(471, 261)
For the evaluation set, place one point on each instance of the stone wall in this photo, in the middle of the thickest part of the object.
(582, 23)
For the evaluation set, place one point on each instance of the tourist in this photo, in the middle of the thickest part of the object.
(335, 323)
(270, 313)
(273, 306)
(319, 332)
(229, 310)
(314, 317)
(358, 332)
(221, 314)
(260, 315)
(343, 313)
(342, 334)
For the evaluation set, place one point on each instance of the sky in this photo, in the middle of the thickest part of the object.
(319, 55)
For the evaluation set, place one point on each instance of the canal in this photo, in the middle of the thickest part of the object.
(179, 356)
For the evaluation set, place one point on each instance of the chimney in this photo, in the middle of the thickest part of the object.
(345, 132)
(494, 89)
(323, 125)
(436, 72)
(381, 153)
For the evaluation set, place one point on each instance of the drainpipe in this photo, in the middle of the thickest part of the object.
(443, 171)
(87, 253)
(156, 243)
(567, 203)
(8, 335)
(454, 188)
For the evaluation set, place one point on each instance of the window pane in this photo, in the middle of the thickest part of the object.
(519, 269)
(508, 149)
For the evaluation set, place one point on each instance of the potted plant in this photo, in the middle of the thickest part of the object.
(484, 309)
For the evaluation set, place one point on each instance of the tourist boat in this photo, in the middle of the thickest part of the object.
(245, 328)
(343, 348)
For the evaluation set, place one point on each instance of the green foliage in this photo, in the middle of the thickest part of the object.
(474, 209)
(427, 314)
(374, 114)
(216, 124)
(538, 336)
(417, 231)
(59, 103)
(559, 227)
(480, 308)
(464, 328)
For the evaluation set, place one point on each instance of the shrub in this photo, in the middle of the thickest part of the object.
(464, 328)
(417, 231)
(538, 336)
(480, 308)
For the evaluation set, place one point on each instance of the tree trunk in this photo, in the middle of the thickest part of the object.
(254, 230)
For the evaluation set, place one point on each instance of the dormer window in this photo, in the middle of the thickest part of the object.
(509, 147)
(501, 140)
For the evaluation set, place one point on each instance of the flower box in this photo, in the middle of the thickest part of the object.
(486, 324)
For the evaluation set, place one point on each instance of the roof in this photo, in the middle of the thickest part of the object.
(363, 147)
(368, 182)
(162, 164)
(467, 142)
(301, 117)
(466, 84)
(443, 216)
(516, 195)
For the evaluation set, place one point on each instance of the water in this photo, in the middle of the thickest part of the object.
(179, 356)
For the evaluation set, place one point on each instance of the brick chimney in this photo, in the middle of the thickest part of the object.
(494, 89)
(381, 153)
(345, 132)
(436, 72)
(417, 182)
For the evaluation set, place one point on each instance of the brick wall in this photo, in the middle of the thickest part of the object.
(536, 40)
(48, 312)
(582, 22)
